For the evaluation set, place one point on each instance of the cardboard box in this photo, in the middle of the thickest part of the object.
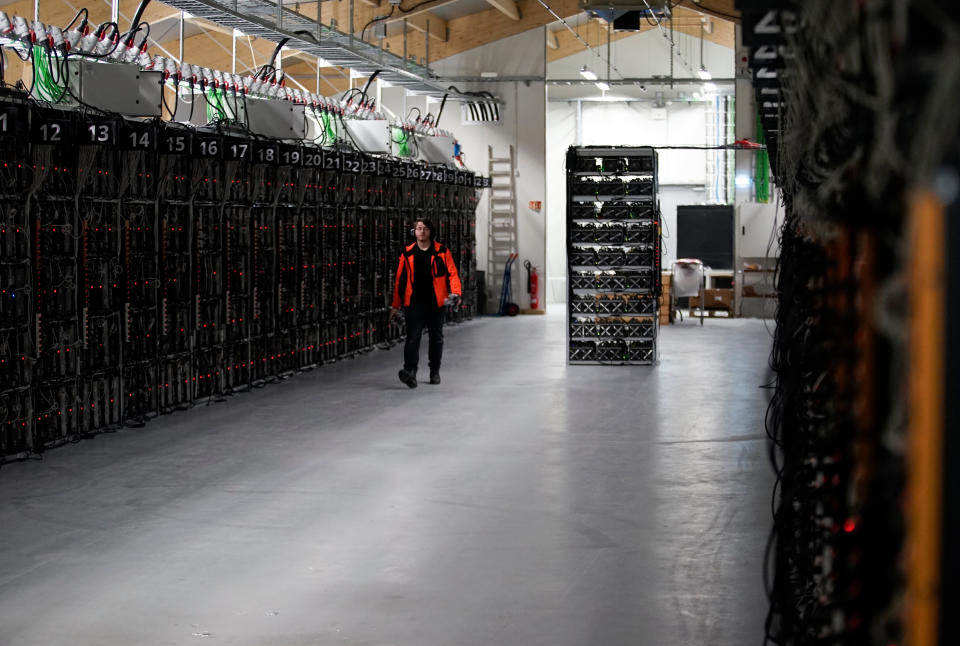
(715, 299)
(665, 300)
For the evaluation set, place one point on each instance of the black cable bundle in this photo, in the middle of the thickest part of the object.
(863, 119)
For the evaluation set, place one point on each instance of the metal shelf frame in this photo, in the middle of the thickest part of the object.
(271, 20)
(613, 256)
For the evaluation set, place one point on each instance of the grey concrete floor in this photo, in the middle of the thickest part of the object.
(522, 502)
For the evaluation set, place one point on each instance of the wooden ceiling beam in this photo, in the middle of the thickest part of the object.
(552, 41)
(685, 21)
(507, 7)
(725, 9)
(481, 28)
(427, 22)
(568, 45)
(429, 6)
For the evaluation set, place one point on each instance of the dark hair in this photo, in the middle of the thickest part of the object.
(429, 224)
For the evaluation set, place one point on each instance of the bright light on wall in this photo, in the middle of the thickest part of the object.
(742, 180)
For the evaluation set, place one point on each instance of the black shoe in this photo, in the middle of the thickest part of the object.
(409, 377)
(435, 377)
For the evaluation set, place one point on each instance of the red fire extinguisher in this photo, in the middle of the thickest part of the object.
(533, 284)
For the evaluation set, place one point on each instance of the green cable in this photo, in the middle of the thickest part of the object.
(403, 144)
(216, 105)
(46, 88)
(762, 176)
(330, 134)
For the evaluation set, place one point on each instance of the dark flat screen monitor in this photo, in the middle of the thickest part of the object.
(706, 232)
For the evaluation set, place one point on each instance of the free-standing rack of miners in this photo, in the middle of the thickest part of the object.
(613, 255)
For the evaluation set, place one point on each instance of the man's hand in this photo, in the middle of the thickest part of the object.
(453, 300)
(394, 312)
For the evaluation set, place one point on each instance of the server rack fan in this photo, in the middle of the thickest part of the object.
(146, 266)
(613, 255)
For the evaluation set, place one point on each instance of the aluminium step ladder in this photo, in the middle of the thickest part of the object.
(502, 217)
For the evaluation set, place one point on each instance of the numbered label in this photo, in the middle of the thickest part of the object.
(138, 138)
(236, 150)
(412, 172)
(332, 160)
(399, 170)
(10, 119)
(176, 143)
(351, 165)
(100, 133)
(266, 153)
(290, 156)
(50, 131)
(209, 147)
(313, 158)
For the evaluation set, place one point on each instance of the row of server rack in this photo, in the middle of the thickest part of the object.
(146, 265)
(613, 255)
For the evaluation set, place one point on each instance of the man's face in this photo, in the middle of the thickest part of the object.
(422, 232)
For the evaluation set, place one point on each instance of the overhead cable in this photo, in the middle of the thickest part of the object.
(578, 37)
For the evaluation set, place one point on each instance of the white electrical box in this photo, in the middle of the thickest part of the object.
(436, 149)
(279, 119)
(370, 135)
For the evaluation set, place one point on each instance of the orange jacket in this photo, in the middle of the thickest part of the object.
(442, 268)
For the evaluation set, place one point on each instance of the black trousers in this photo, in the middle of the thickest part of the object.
(418, 317)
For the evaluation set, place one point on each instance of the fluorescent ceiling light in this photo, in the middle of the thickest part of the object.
(705, 75)
(709, 87)
(587, 73)
(603, 86)
(610, 98)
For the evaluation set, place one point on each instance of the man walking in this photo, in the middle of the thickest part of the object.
(421, 288)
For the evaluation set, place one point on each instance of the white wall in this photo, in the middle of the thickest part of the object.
(519, 55)
(561, 134)
(522, 125)
(756, 220)
(681, 172)
(647, 54)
